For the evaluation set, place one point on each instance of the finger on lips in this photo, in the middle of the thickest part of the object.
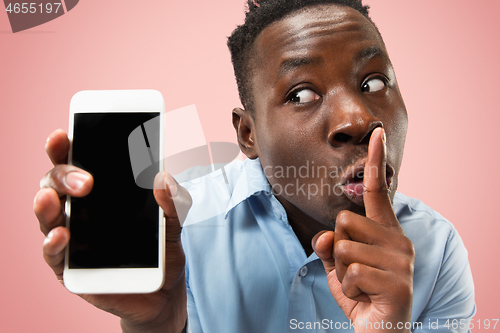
(376, 198)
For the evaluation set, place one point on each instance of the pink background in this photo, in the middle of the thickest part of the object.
(445, 54)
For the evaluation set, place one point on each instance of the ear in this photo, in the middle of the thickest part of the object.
(244, 125)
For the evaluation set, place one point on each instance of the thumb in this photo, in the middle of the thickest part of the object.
(174, 199)
(181, 197)
(322, 244)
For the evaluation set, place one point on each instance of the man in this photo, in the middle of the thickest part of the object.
(314, 236)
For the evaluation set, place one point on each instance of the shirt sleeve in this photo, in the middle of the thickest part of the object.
(451, 306)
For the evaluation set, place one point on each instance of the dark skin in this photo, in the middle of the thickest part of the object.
(324, 90)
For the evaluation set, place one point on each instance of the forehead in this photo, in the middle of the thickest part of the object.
(317, 30)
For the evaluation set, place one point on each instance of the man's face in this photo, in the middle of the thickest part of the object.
(322, 82)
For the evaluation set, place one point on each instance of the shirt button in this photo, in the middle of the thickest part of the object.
(303, 271)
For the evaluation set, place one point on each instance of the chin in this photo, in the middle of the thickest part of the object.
(328, 210)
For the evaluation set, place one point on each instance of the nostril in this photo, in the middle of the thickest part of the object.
(342, 137)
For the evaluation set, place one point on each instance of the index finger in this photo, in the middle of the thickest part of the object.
(57, 147)
(376, 198)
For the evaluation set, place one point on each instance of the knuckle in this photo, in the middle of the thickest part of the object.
(341, 249)
(403, 289)
(347, 289)
(404, 265)
(45, 181)
(47, 209)
(354, 271)
(43, 228)
(53, 259)
(58, 173)
(342, 218)
(53, 178)
(408, 248)
(410, 267)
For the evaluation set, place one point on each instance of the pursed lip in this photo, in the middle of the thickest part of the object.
(351, 181)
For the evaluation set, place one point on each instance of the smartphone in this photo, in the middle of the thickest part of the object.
(117, 232)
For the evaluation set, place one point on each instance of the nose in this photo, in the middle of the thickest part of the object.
(351, 121)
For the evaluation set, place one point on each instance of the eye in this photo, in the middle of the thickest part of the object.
(373, 85)
(303, 96)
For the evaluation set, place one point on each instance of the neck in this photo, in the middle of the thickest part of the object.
(304, 226)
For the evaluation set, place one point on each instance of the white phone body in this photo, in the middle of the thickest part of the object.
(81, 275)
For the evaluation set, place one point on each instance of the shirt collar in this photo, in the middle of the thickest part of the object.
(252, 181)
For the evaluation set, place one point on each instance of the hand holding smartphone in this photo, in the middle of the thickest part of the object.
(138, 312)
(117, 242)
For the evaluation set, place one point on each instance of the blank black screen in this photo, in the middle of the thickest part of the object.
(116, 225)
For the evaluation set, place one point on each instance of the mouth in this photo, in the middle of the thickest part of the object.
(352, 181)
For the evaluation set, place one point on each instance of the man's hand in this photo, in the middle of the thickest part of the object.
(162, 311)
(368, 260)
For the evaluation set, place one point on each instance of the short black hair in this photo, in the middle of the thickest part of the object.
(259, 15)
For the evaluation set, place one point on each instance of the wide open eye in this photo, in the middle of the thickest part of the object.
(373, 85)
(303, 96)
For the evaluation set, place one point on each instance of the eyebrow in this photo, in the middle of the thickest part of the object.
(289, 65)
(369, 53)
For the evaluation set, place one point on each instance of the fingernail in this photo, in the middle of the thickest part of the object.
(75, 180)
(383, 136)
(172, 185)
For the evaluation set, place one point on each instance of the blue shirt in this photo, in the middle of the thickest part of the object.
(246, 270)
